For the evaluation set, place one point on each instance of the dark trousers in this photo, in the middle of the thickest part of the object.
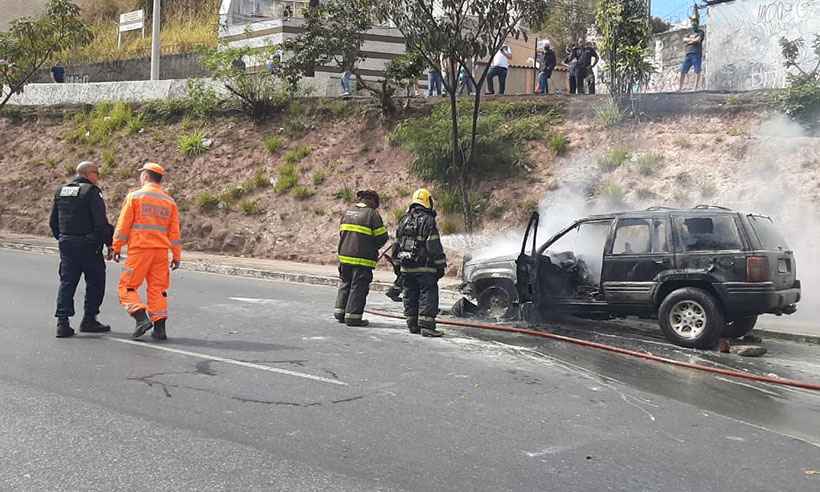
(573, 87)
(421, 299)
(353, 290)
(580, 75)
(501, 73)
(80, 256)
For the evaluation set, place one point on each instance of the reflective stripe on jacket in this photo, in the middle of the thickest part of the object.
(361, 234)
(149, 219)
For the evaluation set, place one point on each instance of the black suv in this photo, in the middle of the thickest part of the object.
(704, 273)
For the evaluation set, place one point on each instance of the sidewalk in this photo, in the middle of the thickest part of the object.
(782, 328)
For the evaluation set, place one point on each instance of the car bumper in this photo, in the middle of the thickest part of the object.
(750, 299)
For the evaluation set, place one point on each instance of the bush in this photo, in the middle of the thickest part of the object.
(250, 207)
(318, 178)
(302, 192)
(232, 194)
(613, 159)
(207, 201)
(558, 143)
(260, 180)
(448, 201)
(609, 114)
(648, 163)
(613, 194)
(192, 144)
(203, 99)
(273, 143)
(295, 155)
(166, 110)
(287, 179)
(345, 194)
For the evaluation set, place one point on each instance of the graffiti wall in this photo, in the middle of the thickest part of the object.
(742, 44)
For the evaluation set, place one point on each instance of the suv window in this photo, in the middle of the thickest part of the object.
(716, 233)
(659, 236)
(631, 237)
(586, 241)
(768, 234)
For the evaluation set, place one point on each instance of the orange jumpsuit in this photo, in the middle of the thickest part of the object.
(149, 227)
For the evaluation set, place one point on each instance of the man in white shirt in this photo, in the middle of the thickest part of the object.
(498, 68)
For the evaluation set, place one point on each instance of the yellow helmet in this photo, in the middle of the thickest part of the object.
(423, 197)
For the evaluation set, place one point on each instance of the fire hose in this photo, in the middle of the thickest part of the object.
(617, 350)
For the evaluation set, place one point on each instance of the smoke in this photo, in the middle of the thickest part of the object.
(773, 171)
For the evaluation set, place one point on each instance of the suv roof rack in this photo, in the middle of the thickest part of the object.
(705, 207)
(650, 209)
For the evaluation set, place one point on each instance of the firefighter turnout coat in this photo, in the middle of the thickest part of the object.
(361, 235)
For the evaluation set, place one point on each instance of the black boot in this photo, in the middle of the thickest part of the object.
(340, 317)
(143, 323)
(413, 326)
(159, 330)
(356, 322)
(91, 325)
(64, 329)
(431, 332)
(394, 293)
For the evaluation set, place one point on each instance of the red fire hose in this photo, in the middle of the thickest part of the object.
(617, 350)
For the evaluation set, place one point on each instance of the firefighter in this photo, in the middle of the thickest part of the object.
(80, 225)
(361, 234)
(148, 226)
(419, 251)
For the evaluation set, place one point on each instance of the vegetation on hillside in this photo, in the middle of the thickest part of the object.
(801, 98)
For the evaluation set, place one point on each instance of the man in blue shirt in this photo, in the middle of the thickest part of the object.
(694, 54)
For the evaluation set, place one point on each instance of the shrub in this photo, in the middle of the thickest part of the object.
(207, 201)
(202, 99)
(318, 178)
(260, 180)
(558, 143)
(102, 122)
(273, 143)
(613, 159)
(448, 201)
(250, 207)
(135, 125)
(613, 194)
(295, 155)
(232, 194)
(302, 192)
(109, 159)
(287, 179)
(345, 194)
(192, 144)
(609, 114)
(648, 163)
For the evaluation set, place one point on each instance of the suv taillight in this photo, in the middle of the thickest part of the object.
(757, 269)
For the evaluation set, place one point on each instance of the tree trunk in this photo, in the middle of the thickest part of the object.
(457, 163)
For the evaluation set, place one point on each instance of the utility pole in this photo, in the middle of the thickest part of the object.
(155, 41)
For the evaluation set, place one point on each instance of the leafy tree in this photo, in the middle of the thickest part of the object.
(566, 22)
(624, 44)
(659, 25)
(32, 43)
(801, 97)
(461, 32)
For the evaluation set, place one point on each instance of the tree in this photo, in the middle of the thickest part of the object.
(624, 44)
(32, 43)
(460, 32)
(659, 25)
(566, 22)
(801, 97)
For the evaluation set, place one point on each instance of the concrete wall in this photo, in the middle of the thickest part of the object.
(96, 92)
(181, 66)
(668, 51)
(743, 41)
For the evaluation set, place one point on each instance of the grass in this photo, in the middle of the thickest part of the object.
(302, 192)
(192, 144)
(613, 194)
(105, 120)
(448, 201)
(297, 154)
(558, 143)
(648, 163)
(232, 194)
(609, 114)
(206, 201)
(69, 168)
(345, 194)
(613, 159)
(273, 143)
(735, 132)
(319, 178)
(287, 179)
(250, 207)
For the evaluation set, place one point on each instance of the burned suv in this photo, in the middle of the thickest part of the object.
(704, 273)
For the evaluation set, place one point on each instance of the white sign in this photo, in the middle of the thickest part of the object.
(131, 21)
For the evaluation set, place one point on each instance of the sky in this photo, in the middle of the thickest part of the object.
(672, 10)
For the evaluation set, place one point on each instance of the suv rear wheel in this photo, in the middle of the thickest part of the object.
(740, 327)
(691, 317)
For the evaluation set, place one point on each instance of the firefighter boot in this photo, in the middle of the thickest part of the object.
(394, 293)
(159, 330)
(64, 329)
(356, 321)
(431, 332)
(413, 326)
(91, 325)
(143, 323)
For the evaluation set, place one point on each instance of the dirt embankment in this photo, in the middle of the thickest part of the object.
(723, 158)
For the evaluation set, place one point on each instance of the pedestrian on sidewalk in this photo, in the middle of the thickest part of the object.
(498, 68)
(148, 226)
(419, 251)
(361, 235)
(79, 223)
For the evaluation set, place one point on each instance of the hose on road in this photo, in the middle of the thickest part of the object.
(617, 350)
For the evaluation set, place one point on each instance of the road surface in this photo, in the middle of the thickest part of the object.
(260, 389)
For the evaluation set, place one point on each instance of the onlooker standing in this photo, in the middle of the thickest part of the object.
(694, 54)
(433, 81)
(570, 62)
(58, 73)
(588, 53)
(498, 68)
(465, 81)
(546, 62)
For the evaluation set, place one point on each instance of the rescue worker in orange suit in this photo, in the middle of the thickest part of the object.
(419, 251)
(361, 234)
(148, 226)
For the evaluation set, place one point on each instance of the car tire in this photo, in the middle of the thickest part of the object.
(739, 327)
(691, 317)
(497, 300)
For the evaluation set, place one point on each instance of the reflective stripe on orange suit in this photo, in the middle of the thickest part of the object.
(148, 226)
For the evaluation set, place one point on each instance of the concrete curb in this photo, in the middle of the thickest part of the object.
(790, 337)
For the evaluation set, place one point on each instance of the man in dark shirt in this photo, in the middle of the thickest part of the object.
(546, 63)
(694, 55)
(79, 223)
(58, 73)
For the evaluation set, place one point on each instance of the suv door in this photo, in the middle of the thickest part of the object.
(710, 243)
(638, 252)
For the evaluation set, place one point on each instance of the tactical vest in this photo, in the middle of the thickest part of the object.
(74, 209)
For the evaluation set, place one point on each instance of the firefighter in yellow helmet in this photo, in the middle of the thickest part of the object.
(419, 251)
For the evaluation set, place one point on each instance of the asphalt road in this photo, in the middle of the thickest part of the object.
(260, 389)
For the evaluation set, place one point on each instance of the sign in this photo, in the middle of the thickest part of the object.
(130, 21)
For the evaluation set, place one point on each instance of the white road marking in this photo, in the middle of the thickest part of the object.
(231, 361)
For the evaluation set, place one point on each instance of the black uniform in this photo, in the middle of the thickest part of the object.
(361, 234)
(418, 248)
(588, 53)
(79, 222)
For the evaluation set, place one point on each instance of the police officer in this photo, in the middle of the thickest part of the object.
(80, 225)
(361, 234)
(418, 248)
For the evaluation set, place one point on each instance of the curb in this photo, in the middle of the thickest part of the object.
(790, 337)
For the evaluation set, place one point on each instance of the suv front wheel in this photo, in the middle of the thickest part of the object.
(691, 317)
